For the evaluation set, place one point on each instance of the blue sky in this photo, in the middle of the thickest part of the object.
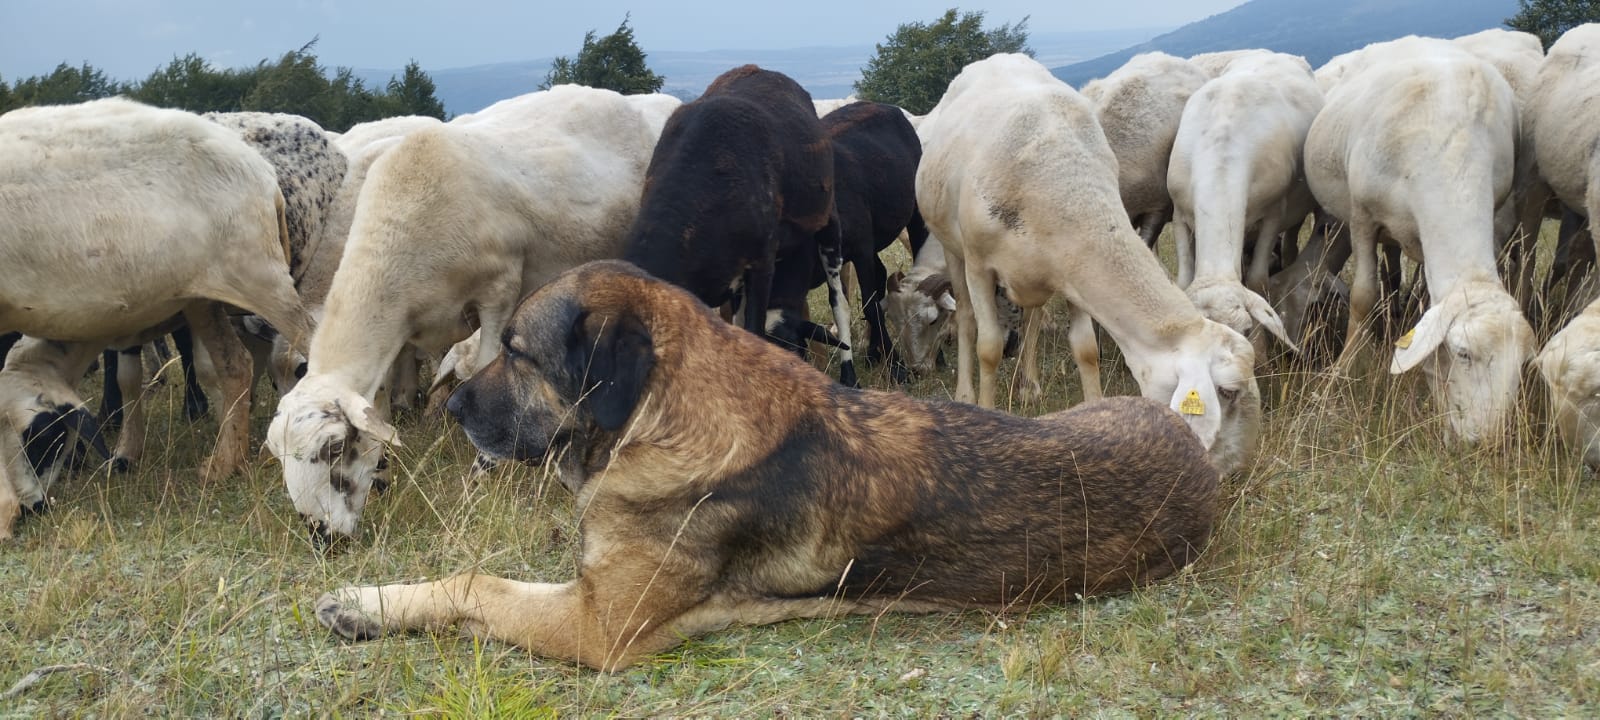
(130, 38)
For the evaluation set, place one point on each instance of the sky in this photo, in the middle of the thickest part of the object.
(128, 39)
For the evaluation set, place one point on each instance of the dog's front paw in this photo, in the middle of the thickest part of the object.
(342, 613)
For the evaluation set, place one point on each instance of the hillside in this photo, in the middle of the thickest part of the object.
(825, 72)
(1316, 29)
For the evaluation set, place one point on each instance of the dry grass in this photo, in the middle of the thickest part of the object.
(1362, 567)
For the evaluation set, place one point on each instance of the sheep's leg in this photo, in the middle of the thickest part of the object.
(1025, 385)
(966, 329)
(1152, 223)
(1261, 259)
(991, 338)
(1085, 350)
(10, 501)
(110, 391)
(403, 380)
(195, 405)
(830, 244)
(874, 287)
(1183, 239)
(130, 382)
(1363, 293)
(232, 363)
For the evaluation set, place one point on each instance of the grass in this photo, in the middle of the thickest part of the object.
(1362, 567)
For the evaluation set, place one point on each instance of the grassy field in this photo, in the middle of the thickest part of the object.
(1361, 567)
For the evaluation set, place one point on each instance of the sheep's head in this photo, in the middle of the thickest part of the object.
(1314, 307)
(918, 311)
(1570, 366)
(1473, 344)
(330, 442)
(285, 365)
(1229, 302)
(1209, 379)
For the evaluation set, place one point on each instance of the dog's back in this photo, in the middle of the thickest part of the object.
(995, 510)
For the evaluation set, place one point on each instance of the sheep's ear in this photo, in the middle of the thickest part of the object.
(1264, 314)
(947, 301)
(1421, 341)
(895, 280)
(364, 417)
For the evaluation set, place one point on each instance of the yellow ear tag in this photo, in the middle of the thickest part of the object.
(1192, 404)
(1405, 340)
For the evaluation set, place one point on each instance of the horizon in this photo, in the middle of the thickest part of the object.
(128, 43)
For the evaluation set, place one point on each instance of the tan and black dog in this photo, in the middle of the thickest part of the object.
(723, 480)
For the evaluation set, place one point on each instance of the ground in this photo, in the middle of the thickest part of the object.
(1361, 567)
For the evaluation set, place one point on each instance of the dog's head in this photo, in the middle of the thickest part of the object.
(574, 364)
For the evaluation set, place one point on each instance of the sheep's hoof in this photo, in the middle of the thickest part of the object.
(847, 375)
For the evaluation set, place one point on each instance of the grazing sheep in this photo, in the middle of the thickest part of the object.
(1139, 106)
(1416, 145)
(43, 420)
(1518, 56)
(309, 169)
(1566, 102)
(1020, 185)
(739, 205)
(1237, 168)
(110, 232)
(453, 225)
(919, 307)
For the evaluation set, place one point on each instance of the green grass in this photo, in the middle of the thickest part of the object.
(1361, 567)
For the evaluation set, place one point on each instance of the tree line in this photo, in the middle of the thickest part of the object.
(911, 69)
(295, 83)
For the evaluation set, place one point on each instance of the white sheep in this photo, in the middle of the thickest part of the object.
(1018, 182)
(1237, 169)
(120, 216)
(1139, 106)
(1215, 64)
(452, 226)
(1518, 56)
(1416, 145)
(1564, 106)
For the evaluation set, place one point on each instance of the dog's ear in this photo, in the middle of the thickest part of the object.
(611, 355)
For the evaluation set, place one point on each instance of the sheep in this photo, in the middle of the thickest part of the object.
(1416, 144)
(1565, 102)
(1518, 57)
(919, 306)
(1139, 106)
(44, 419)
(453, 225)
(739, 204)
(309, 170)
(1214, 64)
(1018, 182)
(1237, 166)
(120, 216)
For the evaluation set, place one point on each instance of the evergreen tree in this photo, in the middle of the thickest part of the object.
(613, 62)
(913, 66)
(1550, 18)
(413, 93)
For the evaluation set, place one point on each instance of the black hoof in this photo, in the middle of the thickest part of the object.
(847, 375)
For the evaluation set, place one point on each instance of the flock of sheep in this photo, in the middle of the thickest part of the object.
(408, 240)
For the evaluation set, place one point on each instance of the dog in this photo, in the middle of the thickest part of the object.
(721, 479)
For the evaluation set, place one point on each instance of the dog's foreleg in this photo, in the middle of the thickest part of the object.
(554, 620)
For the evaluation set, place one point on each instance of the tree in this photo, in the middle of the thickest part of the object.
(1550, 18)
(66, 85)
(613, 62)
(412, 93)
(913, 66)
(190, 83)
(7, 102)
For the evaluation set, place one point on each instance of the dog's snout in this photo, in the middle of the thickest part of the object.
(458, 401)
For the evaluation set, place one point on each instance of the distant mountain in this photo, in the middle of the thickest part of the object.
(825, 72)
(1316, 29)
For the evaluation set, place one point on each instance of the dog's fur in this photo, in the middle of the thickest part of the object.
(722, 480)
